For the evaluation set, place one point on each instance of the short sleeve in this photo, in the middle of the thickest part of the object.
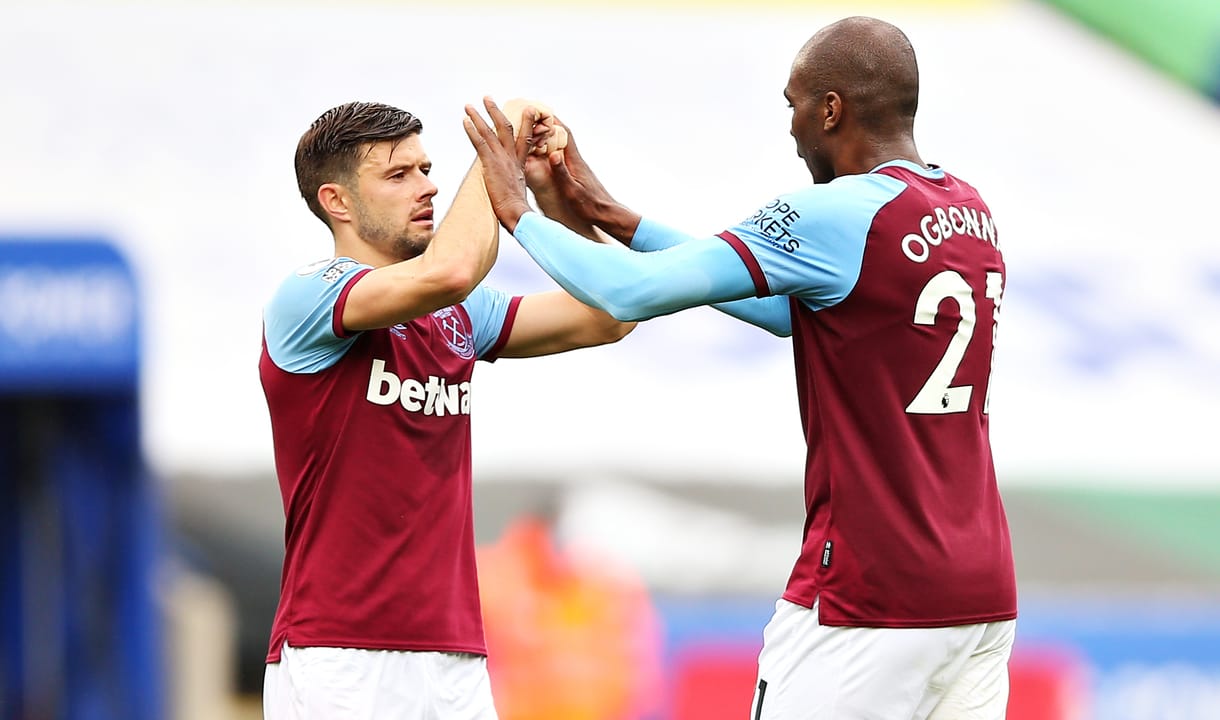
(491, 318)
(302, 322)
(810, 243)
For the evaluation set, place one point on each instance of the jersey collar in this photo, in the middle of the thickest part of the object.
(933, 172)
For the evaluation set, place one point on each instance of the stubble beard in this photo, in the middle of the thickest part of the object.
(402, 243)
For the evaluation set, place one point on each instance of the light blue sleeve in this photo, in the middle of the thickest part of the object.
(810, 243)
(488, 309)
(635, 285)
(651, 235)
(299, 322)
(769, 313)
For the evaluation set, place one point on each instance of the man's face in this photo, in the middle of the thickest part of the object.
(393, 198)
(808, 122)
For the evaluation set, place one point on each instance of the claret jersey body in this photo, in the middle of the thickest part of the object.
(372, 448)
(896, 280)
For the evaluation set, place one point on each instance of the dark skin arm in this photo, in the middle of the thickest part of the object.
(576, 192)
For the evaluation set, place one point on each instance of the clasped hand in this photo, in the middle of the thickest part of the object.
(562, 182)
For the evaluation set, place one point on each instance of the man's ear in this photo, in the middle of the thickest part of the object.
(336, 201)
(832, 111)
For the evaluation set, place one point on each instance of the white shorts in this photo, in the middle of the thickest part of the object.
(808, 671)
(324, 683)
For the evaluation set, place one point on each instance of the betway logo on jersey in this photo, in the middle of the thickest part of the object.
(431, 397)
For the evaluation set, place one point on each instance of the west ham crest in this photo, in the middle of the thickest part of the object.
(453, 328)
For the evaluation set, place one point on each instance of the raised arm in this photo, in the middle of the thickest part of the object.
(635, 285)
(459, 255)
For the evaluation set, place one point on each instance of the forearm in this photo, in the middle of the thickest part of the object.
(632, 285)
(772, 314)
(619, 221)
(456, 260)
(556, 209)
(616, 224)
(554, 322)
(467, 240)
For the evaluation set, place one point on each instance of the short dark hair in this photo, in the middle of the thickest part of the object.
(330, 149)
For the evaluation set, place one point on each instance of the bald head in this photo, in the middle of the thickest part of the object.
(871, 65)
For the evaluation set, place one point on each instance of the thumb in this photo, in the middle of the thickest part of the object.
(571, 149)
(559, 169)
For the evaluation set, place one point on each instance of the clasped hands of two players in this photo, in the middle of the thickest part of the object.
(513, 163)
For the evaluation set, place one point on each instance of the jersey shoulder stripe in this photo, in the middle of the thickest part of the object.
(761, 289)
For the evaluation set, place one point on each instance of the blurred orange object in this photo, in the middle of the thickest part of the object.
(569, 636)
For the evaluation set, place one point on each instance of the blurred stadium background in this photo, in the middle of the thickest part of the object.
(148, 208)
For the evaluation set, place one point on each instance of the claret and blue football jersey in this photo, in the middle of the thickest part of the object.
(372, 447)
(895, 279)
